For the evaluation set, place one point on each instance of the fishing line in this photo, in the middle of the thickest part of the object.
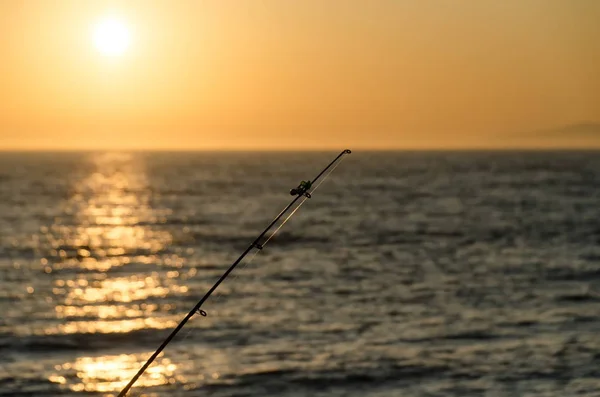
(301, 202)
(248, 262)
(300, 193)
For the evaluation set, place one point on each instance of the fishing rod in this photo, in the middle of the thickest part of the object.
(303, 191)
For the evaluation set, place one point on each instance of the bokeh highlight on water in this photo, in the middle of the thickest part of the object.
(407, 274)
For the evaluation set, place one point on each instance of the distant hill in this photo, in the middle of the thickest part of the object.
(581, 130)
(572, 136)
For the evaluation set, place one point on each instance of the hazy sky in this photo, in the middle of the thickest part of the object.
(299, 74)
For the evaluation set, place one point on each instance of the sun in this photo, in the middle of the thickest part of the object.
(111, 37)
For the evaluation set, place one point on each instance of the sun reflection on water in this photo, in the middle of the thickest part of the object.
(111, 326)
(122, 289)
(112, 213)
(109, 374)
(122, 300)
(103, 258)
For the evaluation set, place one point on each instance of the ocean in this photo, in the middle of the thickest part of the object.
(406, 274)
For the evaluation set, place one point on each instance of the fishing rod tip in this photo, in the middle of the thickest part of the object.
(348, 151)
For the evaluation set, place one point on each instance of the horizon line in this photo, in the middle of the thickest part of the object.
(300, 150)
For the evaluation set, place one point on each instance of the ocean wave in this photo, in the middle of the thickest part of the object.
(469, 335)
(31, 386)
(578, 298)
(88, 342)
(284, 381)
(571, 274)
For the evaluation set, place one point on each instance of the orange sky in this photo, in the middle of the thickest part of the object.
(304, 74)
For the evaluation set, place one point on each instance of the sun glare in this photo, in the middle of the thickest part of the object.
(111, 37)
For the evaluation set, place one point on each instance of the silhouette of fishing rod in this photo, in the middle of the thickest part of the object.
(301, 192)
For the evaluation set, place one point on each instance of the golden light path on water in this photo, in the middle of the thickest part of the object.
(106, 374)
(112, 211)
(110, 373)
